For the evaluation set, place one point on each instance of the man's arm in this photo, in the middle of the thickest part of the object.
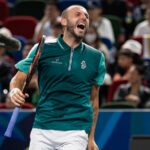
(95, 103)
(16, 86)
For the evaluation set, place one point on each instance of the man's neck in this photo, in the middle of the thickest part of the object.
(71, 40)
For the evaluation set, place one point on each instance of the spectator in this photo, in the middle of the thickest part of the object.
(143, 27)
(129, 55)
(93, 39)
(134, 92)
(32, 89)
(103, 25)
(6, 69)
(56, 29)
(27, 47)
(51, 14)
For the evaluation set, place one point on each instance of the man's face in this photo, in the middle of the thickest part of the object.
(77, 21)
(124, 61)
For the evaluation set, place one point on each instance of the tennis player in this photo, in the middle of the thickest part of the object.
(69, 76)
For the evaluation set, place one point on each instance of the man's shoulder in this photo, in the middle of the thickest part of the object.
(105, 20)
(92, 49)
(143, 24)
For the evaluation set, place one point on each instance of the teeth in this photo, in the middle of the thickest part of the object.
(82, 24)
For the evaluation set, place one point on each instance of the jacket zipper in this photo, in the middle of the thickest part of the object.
(70, 60)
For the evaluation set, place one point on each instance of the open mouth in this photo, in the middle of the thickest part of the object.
(81, 26)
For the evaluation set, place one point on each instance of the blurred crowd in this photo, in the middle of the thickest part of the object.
(118, 28)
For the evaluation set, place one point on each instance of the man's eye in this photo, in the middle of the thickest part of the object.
(77, 14)
(87, 16)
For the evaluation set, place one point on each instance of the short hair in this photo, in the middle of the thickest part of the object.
(64, 12)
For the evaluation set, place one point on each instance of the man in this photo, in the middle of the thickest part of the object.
(69, 75)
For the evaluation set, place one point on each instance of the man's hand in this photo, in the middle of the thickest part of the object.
(132, 98)
(92, 145)
(17, 97)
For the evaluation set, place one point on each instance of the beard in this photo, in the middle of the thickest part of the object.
(71, 29)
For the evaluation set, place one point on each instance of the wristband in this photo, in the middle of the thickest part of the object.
(13, 91)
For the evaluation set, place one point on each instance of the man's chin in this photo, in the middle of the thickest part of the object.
(80, 35)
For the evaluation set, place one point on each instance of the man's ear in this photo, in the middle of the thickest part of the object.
(63, 21)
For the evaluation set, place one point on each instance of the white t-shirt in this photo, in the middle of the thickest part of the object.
(142, 28)
(105, 29)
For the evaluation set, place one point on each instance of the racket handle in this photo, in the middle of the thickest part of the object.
(12, 122)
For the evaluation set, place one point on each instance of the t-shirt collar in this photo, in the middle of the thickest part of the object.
(65, 46)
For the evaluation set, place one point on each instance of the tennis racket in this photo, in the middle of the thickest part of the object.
(16, 111)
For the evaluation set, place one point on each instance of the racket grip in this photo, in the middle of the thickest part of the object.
(12, 122)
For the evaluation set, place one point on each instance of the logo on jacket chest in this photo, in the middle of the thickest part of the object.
(83, 64)
(56, 61)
